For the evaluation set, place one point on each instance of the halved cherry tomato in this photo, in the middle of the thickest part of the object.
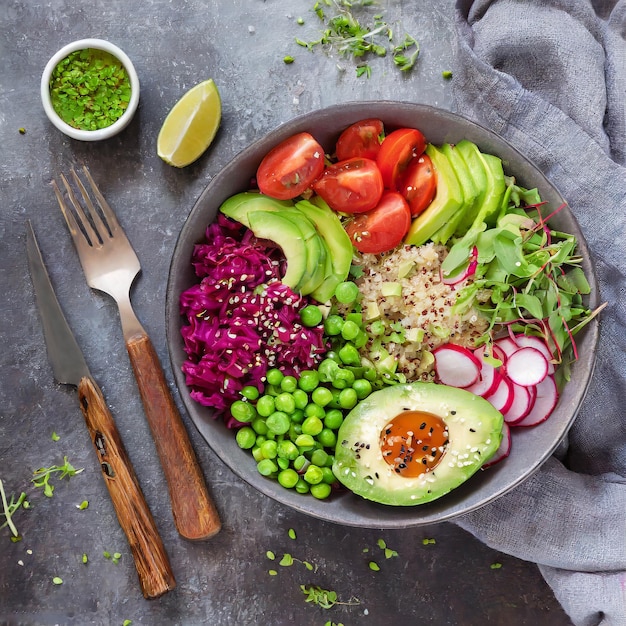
(396, 151)
(419, 184)
(362, 139)
(351, 186)
(382, 229)
(291, 167)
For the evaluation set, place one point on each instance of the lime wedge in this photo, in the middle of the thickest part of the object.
(191, 125)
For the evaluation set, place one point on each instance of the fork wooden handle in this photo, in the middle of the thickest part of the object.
(195, 515)
(151, 561)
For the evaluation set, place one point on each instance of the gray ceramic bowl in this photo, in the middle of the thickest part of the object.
(531, 447)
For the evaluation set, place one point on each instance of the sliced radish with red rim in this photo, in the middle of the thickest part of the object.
(547, 397)
(527, 367)
(503, 395)
(531, 341)
(456, 366)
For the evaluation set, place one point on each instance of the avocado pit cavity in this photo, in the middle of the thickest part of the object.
(414, 442)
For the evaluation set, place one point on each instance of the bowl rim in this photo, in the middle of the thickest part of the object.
(101, 133)
(353, 510)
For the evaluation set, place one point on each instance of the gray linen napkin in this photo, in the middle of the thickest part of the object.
(550, 76)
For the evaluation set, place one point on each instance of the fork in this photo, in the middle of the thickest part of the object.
(111, 265)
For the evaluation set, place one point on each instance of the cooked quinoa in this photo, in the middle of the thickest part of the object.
(408, 326)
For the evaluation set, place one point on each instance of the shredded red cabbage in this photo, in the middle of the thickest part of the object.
(241, 320)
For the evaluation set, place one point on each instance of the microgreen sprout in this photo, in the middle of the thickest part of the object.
(325, 598)
(8, 509)
(43, 474)
(352, 38)
(374, 566)
(54, 436)
(21, 130)
(292, 534)
(57, 581)
(389, 553)
(495, 565)
(426, 541)
(447, 74)
(83, 505)
(84, 558)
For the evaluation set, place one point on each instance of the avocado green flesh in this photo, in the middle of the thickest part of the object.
(447, 201)
(471, 155)
(474, 433)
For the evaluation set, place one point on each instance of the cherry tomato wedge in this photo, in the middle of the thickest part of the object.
(291, 167)
(382, 229)
(396, 151)
(361, 139)
(419, 184)
(351, 186)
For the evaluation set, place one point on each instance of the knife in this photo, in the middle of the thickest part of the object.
(69, 367)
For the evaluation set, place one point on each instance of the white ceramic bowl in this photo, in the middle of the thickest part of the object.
(102, 133)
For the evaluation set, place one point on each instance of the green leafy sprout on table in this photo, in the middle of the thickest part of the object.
(345, 33)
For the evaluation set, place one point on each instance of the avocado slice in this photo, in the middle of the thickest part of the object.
(470, 192)
(471, 155)
(447, 201)
(285, 234)
(474, 432)
(337, 241)
(240, 205)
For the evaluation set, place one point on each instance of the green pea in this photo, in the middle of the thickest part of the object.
(260, 440)
(245, 437)
(333, 419)
(259, 426)
(362, 387)
(309, 380)
(295, 430)
(266, 467)
(357, 318)
(327, 438)
(319, 458)
(288, 478)
(257, 454)
(333, 325)
(272, 390)
(242, 411)
(250, 392)
(305, 441)
(350, 330)
(321, 396)
(334, 403)
(287, 450)
(265, 406)
(278, 423)
(312, 425)
(327, 370)
(377, 328)
(370, 374)
(313, 475)
(301, 398)
(274, 376)
(289, 383)
(297, 416)
(302, 486)
(321, 491)
(300, 462)
(349, 355)
(343, 378)
(361, 339)
(311, 315)
(327, 476)
(314, 410)
(269, 449)
(285, 402)
(333, 356)
(283, 464)
(348, 398)
(346, 292)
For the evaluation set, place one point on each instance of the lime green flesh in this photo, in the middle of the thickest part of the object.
(474, 432)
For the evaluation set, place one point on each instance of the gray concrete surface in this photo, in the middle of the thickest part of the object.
(225, 581)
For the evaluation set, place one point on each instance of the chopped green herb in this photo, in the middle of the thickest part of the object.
(286, 561)
(324, 598)
(127, 622)
(90, 89)
(54, 436)
(374, 566)
(43, 474)
(300, 21)
(57, 581)
(21, 130)
(447, 74)
(495, 565)
(292, 533)
(270, 555)
(428, 541)
(272, 572)
(363, 70)
(84, 558)
(288, 60)
(405, 54)
(83, 505)
(106, 554)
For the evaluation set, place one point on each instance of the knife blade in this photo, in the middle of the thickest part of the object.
(70, 368)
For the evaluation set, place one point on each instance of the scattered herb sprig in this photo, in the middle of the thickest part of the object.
(325, 598)
(352, 38)
(43, 474)
(8, 509)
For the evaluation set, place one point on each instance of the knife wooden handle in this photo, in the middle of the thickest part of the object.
(151, 560)
(195, 515)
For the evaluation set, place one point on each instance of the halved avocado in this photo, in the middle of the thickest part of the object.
(447, 201)
(240, 205)
(387, 437)
(285, 234)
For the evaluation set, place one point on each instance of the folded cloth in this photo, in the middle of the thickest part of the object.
(550, 76)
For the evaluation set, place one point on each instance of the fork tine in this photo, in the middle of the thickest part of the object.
(100, 226)
(110, 216)
(79, 237)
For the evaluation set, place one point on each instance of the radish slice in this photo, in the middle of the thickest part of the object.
(547, 397)
(531, 341)
(507, 345)
(523, 400)
(456, 366)
(505, 447)
(487, 382)
(527, 367)
(502, 398)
